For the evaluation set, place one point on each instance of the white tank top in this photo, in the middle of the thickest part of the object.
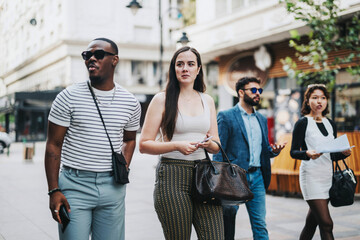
(192, 129)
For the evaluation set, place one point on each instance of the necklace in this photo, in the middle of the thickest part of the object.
(107, 104)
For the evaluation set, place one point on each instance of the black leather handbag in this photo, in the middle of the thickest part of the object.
(220, 183)
(121, 174)
(343, 186)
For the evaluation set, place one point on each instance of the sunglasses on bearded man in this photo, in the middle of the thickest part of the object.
(98, 54)
(254, 90)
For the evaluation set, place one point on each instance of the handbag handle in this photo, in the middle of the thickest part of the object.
(233, 172)
(337, 167)
(93, 96)
(350, 172)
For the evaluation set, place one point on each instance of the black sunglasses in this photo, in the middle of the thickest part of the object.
(98, 54)
(254, 90)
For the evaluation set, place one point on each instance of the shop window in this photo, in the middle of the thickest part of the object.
(31, 125)
(344, 77)
(155, 68)
(285, 83)
(347, 108)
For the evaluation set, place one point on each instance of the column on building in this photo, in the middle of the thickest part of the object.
(150, 78)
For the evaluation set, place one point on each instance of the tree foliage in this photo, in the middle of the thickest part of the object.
(189, 12)
(329, 32)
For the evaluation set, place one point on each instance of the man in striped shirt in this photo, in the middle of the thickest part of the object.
(77, 142)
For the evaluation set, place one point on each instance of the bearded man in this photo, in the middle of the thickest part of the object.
(244, 137)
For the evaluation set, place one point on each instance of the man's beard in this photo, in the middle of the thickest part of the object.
(250, 101)
(95, 79)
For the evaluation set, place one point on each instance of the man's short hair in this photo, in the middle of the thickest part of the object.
(113, 45)
(244, 81)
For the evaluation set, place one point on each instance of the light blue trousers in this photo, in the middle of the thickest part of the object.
(97, 205)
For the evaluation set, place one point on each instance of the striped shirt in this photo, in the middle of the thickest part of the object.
(86, 146)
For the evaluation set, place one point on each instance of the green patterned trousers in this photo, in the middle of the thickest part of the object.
(175, 208)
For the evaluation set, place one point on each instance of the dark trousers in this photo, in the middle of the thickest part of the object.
(229, 213)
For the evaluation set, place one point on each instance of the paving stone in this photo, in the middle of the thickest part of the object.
(24, 210)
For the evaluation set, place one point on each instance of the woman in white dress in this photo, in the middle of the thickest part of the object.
(315, 169)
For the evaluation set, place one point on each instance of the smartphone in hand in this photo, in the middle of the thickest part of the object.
(206, 139)
(64, 217)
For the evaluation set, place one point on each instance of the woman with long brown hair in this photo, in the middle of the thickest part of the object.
(315, 169)
(185, 118)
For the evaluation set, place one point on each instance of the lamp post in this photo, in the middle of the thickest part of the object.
(184, 40)
(134, 5)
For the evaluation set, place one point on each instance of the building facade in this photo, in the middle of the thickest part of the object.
(249, 37)
(41, 42)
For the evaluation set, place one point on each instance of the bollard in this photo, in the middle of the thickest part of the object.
(28, 151)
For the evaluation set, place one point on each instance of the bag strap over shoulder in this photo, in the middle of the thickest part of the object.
(93, 95)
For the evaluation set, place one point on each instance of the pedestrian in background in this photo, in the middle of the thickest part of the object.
(244, 137)
(315, 169)
(184, 116)
(77, 139)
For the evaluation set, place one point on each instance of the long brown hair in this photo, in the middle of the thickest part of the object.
(172, 92)
(305, 109)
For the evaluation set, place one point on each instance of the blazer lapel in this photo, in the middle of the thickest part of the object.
(240, 122)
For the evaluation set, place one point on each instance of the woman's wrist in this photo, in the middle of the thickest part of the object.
(175, 146)
(213, 147)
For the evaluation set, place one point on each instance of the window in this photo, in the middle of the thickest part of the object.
(221, 7)
(238, 4)
(347, 102)
(141, 33)
(347, 109)
(137, 71)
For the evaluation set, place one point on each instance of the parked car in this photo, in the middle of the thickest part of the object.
(5, 141)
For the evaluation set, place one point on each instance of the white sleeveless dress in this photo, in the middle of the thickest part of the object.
(192, 129)
(316, 175)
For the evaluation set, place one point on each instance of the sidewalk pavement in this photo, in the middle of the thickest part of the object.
(24, 212)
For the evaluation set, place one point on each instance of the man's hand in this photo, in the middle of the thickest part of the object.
(276, 148)
(56, 200)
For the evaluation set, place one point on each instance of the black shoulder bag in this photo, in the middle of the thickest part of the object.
(343, 186)
(220, 183)
(121, 174)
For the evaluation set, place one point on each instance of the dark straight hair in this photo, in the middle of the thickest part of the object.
(305, 109)
(172, 92)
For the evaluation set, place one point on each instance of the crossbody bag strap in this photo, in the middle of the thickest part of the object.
(93, 96)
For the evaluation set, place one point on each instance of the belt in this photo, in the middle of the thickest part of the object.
(252, 169)
(189, 163)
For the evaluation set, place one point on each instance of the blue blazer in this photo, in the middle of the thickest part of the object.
(234, 140)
